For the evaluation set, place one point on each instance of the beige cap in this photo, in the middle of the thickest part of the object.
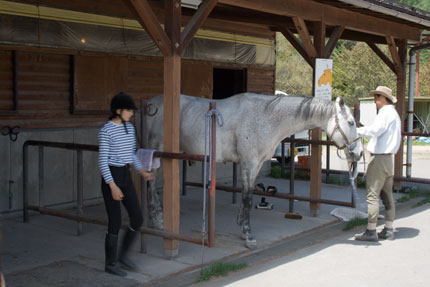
(385, 91)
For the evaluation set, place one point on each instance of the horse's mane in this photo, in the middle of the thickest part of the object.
(311, 107)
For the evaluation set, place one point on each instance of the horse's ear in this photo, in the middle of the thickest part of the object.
(340, 101)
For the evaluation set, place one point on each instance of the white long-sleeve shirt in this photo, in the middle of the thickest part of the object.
(385, 132)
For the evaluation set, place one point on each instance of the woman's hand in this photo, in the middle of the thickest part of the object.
(2, 283)
(116, 191)
(146, 175)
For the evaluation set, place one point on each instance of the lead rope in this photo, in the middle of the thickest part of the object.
(353, 176)
(206, 183)
(364, 161)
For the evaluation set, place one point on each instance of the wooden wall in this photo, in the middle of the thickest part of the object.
(6, 81)
(56, 89)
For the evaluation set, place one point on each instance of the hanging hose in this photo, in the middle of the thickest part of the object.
(206, 183)
(353, 173)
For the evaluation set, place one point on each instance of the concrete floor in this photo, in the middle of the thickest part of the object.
(43, 251)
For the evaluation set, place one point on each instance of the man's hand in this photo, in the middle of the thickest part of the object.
(116, 191)
(146, 175)
(360, 131)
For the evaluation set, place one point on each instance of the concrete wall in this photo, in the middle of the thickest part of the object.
(60, 183)
(59, 169)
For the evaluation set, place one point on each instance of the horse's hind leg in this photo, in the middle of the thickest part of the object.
(155, 209)
(248, 177)
(245, 208)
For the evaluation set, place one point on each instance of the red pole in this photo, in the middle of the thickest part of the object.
(211, 216)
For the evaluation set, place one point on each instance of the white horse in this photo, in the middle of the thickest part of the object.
(253, 127)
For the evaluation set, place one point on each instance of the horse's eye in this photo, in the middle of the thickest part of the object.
(351, 123)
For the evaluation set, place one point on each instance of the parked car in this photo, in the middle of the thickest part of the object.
(300, 149)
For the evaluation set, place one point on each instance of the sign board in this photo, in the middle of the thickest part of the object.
(323, 78)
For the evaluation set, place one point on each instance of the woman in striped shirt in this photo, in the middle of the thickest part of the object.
(117, 151)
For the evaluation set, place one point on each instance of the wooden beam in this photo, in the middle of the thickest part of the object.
(196, 22)
(319, 38)
(333, 16)
(150, 23)
(382, 56)
(172, 88)
(394, 54)
(295, 43)
(303, 32)
(334, 38)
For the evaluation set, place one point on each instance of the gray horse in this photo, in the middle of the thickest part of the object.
(253, 127)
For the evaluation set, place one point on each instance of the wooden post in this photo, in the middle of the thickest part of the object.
(398, 66)
(143, 182)
(172, 86)
(316, 150)
(400, 107)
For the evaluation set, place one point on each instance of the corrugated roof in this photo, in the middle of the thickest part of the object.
(387, 9)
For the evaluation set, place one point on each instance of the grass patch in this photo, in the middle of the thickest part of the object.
(404, 198)
(219, 269)
(414, 193)
(354, 223)
(422, 202)
(276, 172)
(425, 194)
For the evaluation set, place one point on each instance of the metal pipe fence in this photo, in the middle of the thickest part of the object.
(79, 217)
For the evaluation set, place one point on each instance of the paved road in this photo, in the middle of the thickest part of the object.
(341, 261)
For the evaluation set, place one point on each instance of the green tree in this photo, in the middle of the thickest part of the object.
(420, 4)
(424, 79)
(293, 74)
(358, 70)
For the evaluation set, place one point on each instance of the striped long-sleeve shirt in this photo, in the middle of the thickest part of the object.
(116, 148)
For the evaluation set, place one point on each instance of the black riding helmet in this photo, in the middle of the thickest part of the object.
(121, 101)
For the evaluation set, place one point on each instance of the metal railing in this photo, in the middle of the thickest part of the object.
(79, 216)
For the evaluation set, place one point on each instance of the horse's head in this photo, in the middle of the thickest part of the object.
(342, 130)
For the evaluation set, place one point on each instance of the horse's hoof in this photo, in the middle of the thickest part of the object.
(155, 224)
(251, 244)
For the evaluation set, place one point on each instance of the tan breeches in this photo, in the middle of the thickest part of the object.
(379, 183)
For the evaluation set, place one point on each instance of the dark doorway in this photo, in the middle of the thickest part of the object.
(228, 82)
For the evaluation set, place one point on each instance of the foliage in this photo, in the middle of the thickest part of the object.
(354, 223)
(424, 70)
(420, 4)
(219, 269)
(293, 74)
(276, 172)
(358, 70)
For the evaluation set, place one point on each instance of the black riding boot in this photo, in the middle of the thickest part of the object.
(128, 239)
(111, 263)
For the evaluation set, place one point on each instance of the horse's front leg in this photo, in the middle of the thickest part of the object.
(155, 208)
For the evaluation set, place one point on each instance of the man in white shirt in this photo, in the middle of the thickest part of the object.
(385, 139)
